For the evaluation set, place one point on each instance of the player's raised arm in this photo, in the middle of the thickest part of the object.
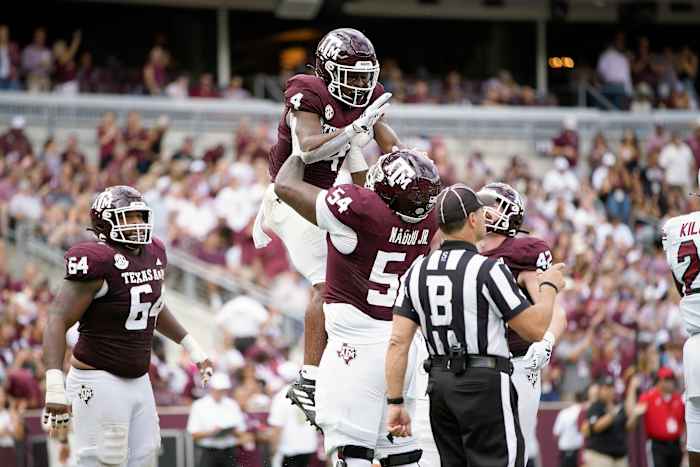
(386, 137)
(72, 300)
(313, 146)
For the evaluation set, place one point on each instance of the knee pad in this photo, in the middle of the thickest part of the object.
(113, 444)
(402, 458)
(356, 452)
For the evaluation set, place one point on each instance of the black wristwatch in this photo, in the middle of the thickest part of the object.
(394, 400)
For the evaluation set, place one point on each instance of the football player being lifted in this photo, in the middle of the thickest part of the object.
(680, 240)
(373, 235)
(114, 287)
(323, 114)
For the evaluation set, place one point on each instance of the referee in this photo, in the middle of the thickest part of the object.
(462, 300)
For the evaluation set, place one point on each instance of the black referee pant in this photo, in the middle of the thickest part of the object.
(213, 457)
(474, 417)
(666, 453)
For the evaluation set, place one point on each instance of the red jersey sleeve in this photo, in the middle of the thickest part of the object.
(302, 94)
(349, 204)
(533, 254)
(86, 262)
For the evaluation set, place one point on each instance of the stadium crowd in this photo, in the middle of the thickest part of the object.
(600, 212)
(638, 78)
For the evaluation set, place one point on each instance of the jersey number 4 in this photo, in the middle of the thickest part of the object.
(140, 311)
(689, 250)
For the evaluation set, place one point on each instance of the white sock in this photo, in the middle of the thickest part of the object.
(309, 372)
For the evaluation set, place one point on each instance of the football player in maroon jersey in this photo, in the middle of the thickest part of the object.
(525, 256)
(114, 287)
(373, 234)
(342, 103)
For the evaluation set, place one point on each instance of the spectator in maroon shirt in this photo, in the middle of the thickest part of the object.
(136, 137)
(452, 90)
(14, 144)
(154, 72)
(9, 61)
(88, 77)
(72, 154)
(108, 136)
(420, 94)
(566, 144)
(205, 87)
(65, 71)
(212, 249)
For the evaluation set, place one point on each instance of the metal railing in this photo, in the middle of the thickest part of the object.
(188, 275)
(214, 115)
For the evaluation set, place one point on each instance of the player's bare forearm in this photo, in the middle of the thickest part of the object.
(558, 323)
(72, 300)
(358, 178)
(293, 190)
(169, 326)
(402, 333)
(385, 136)
(306, 127)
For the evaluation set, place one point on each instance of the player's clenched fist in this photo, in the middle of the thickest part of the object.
(553, 276)
(56, 416)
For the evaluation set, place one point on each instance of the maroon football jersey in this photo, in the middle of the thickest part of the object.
(117, 328)
(369, 248)
(522, 254)
(310, 94)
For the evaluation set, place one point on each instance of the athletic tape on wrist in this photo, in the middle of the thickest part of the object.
(196, 352)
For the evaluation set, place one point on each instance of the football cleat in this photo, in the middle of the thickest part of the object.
(302, 393)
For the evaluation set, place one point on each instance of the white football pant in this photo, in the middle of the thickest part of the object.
(114, 419)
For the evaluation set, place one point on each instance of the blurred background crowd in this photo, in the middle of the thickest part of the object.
(632, 72)
(600, 212)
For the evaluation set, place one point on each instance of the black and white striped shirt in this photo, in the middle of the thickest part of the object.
(461, 298)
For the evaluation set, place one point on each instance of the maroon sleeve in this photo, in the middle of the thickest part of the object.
(349, 204)
(531, 254)
(87, 262)
(160, 247)
(303, 93)
(378, 91)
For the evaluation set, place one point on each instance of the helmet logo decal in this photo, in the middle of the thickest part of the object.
(330, 47)
(103, 201)
(401, 173)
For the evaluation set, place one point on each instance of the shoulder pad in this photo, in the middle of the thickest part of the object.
(88, 261)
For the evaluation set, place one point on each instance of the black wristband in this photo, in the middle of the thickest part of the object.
(394, 400)
(556, 289)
